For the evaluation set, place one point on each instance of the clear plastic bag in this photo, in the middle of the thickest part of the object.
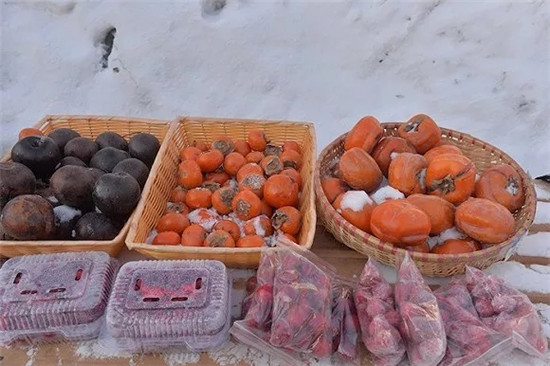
(422, 327)
(507, 311)
(344, 323)
(260, 310)
(469, 341)
(378, 318)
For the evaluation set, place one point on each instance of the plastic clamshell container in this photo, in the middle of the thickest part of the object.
(58, 297)
(165, 304)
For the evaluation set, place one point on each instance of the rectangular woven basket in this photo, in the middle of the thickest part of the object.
(182, 133)
(86, 126)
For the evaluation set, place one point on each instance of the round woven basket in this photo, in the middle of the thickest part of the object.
(436, 265)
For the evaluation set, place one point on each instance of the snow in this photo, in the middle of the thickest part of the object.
(521, 277)
(386, 193)
(257, 226)
(355, 201)
(66, 213)
(542, 216)
(543, 192)
(451, 233)
(535, 245)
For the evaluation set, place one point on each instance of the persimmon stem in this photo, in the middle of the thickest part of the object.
(445, 185)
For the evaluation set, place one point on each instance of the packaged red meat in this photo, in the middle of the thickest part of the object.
(422, 327)
(469, 341)
(507, 311)
(54, 297)
(344, 322)
(158, 305)
(378, 318)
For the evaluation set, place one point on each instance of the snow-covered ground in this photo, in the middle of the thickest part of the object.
(480, 67)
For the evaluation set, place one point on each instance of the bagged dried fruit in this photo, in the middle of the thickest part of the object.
(507, 311)
(344, 323)
(469, 340)
(378, 318)
(422, 327)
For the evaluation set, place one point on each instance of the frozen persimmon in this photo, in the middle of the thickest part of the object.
(291, 159)
(167, 238)
(501, 183)
(173, 222)
(266, 209)
(198, 198)
(201, 145)
(219, 239)
(250, 241)
(229, 226)
(407, 173)
(246, 205)
(452, 177)
(189, 174)
(280, 190)
(178, 194)
(422, 248)
(177, 207)
(29, 132)
(440, 211)
(388, 148)
(193, 236)
(254, 157)
(222, 200)
(485, 221)
(254, 183)
(356, 207)
(359, 170)
(271, 149)
(441, 149)
(233, 162)
(287, 219)
(257, 140)
(333, 187)
(190, 153)
(421, 131)
(210, 160)
(365, 134)
(401, 223)
(455, 246)
(294, 175)
(292, 145)
(260, 225)
(242, 147)
(224, 144)
(219, 177)
(271, 165)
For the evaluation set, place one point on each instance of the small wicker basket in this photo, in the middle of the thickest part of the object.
(182, 134)
(436, 265)
(86, 126)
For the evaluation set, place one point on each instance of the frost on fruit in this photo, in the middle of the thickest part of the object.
(386, 193)
(355, 200)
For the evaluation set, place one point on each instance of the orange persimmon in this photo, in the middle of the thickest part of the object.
(365, 134)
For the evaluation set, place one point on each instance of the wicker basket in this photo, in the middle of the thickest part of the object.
(183, 133)
(482, 154)
(86, 126)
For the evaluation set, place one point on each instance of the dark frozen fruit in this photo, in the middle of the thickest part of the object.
(116, 194)
(65, 219)
(73, 186)
(82, 148)
(96, 173)
(144, 147)
(71, 160)
(63, 135)
(15, 179)
(28, 217)
(111, 139)
(95, 226)
(39, 153)
(106, 159)
(136, 168)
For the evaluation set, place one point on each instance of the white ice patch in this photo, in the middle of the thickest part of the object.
(386, 193)
(355, 200)
(66, 213)
(206, 218)
(448, 234)
(257, 225)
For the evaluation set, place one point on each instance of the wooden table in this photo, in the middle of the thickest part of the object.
(347, 261)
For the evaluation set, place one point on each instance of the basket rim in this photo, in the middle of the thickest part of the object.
(330, 213)
(51, 118)
(132, 245)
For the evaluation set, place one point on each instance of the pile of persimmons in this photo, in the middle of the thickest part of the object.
(439, 186)
(234, 194)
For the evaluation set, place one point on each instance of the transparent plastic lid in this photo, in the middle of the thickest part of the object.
(53, 290)
(169, 299)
